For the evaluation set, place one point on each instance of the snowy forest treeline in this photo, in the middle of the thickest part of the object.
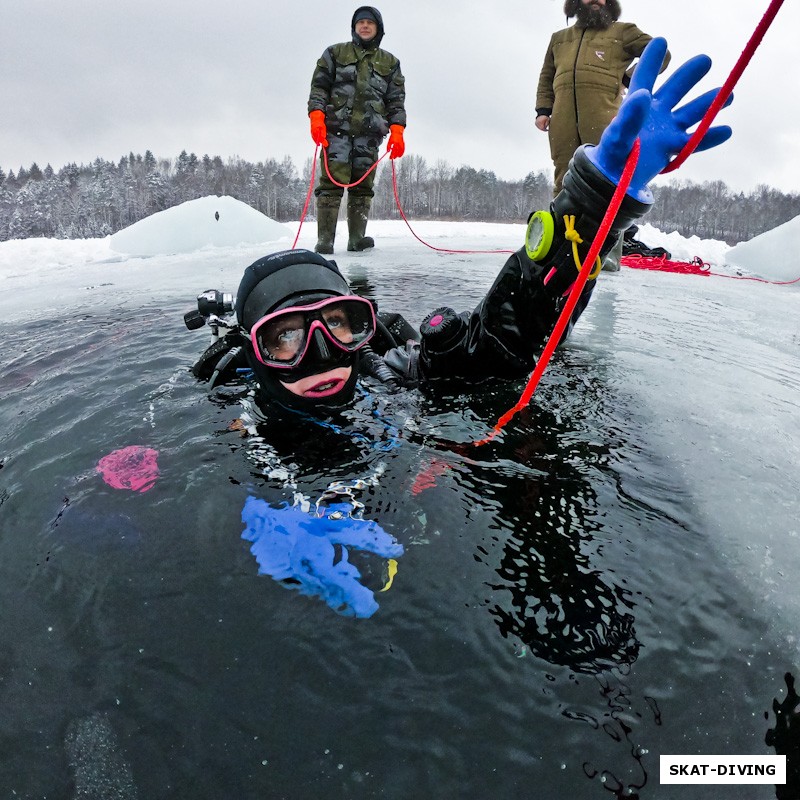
(101, 198)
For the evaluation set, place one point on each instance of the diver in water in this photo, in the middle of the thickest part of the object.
(308, 339)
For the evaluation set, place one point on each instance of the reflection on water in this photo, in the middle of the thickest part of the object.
(559, 603)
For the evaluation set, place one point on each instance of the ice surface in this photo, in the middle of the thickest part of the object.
(711, 251)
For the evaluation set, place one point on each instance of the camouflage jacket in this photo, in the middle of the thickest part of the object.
(362, 92)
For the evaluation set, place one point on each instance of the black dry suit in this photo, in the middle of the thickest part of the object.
(501, 338)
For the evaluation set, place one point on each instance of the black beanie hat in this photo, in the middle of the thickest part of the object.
(366, 13)
(571, 8)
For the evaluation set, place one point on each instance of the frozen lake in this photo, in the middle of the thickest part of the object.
(613, 579)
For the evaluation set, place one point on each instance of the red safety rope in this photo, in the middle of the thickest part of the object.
(405, 219)
(308, 196)
(754, 278)
(355, 183)
(396, 198)
(694, 267)
(727, 87)
(574, 295)
(333, 180)
(662, 264)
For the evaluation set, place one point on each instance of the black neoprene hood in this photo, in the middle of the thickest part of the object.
(286, 278)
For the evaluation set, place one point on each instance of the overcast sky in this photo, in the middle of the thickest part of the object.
(94, 78)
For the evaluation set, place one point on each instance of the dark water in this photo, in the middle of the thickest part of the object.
(558, 620)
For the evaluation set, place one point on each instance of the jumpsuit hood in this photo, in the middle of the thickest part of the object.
(571, 8)
(367, 12)
(280, 280)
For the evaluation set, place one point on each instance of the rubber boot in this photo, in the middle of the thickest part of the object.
(357, 215)
(611, 261)
(327, 215)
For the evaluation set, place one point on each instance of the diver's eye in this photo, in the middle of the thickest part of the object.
(338, 323)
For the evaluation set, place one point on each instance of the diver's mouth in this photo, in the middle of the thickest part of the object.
(325, 388)
(322, 385)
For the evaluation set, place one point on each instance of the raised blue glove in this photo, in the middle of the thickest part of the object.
(650, 116)
(293, 545)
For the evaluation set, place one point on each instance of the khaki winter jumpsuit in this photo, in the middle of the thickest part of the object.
(581, 85)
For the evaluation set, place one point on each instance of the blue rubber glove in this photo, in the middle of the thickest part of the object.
(292, 545)
(650, 116)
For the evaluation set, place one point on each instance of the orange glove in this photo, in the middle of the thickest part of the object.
(396, 146)
(319, 133)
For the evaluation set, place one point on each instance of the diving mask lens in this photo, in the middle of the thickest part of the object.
(281, 339)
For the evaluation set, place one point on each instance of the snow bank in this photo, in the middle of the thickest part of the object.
(772, 255)
(210, 221)
(711, 251)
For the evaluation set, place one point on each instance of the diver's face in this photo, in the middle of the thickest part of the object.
(310, 351)
(321, 385)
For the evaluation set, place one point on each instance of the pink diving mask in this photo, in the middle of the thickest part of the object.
(281, 339)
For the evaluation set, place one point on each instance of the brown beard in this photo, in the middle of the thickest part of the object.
(591, 16)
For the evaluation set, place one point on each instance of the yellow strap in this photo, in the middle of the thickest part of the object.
(571, 235)
(392, 570)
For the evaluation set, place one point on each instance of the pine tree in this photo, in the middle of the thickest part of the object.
(102, 197)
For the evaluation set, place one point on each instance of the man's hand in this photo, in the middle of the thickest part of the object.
(319, 132)
(543, 123)
(396, 145)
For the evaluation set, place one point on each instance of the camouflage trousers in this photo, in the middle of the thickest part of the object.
(349, 157)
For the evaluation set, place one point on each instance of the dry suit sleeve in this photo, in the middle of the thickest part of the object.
(504, 336)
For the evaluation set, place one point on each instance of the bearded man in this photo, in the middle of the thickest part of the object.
(585, 72)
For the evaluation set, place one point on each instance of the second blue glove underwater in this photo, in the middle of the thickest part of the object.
(293, 545)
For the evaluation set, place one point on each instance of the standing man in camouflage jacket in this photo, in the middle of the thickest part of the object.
(586, 68)
(357, 97)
